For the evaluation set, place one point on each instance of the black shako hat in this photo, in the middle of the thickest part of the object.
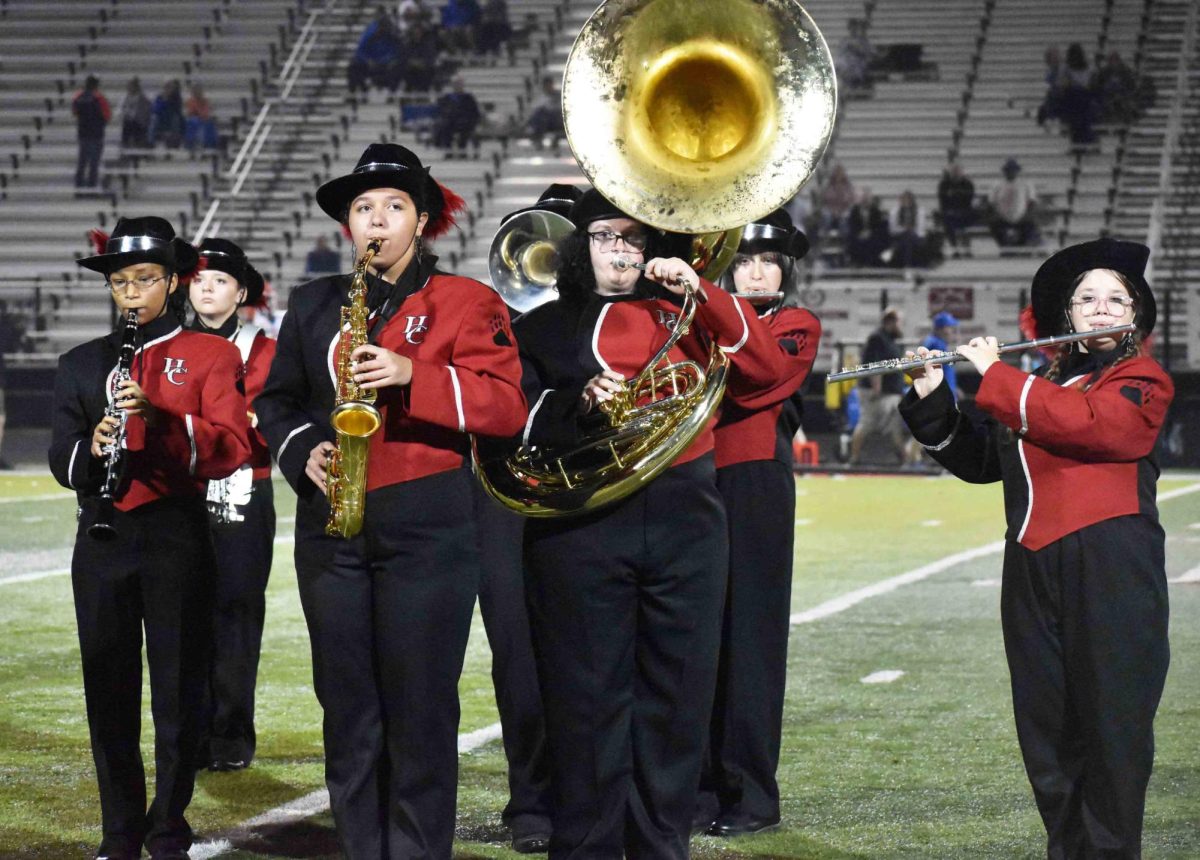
(383, 165)
(140, 240)
(775, 232)
(1055, 280)
(226, 256)
(559, 198)
(592, 206)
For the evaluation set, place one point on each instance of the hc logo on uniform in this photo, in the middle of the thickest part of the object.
(667, 319)
(174, 366)
(414, 327)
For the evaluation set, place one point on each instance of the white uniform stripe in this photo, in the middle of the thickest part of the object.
(596, 337)
(940, 445)
(1028, 485)
(458, 401)
(729, 350)
(283, 447)
(1024, 398)
(533, 412)
(192, 443)
(71, 466)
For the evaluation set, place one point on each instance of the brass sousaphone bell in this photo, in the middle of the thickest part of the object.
(696, 117)
(523, 260)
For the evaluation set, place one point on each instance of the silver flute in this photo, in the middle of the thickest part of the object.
(902, 365)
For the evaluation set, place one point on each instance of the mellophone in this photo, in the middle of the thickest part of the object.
(901, 365)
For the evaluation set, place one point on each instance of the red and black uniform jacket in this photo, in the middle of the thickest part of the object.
(194, 381)
(466, 374)
(1071, 453)
(257, 364)
(761, 427)
(565, 343)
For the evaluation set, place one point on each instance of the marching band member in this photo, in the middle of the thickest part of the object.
(184, 423)
(241, 512)
(1084, 596)
(753, 445)
(625, 602)
(389, 610)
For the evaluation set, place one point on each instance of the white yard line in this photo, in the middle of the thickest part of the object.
(44, 497)
(883, 676)
(1192, 575)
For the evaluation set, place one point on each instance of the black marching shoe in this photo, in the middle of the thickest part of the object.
(222, 765)
(740, 824)
(531, 843)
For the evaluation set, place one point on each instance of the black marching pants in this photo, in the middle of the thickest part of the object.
(747, 723)
(626, 612)
(244, 551)
(388, 615)
(514, 672)
(1085, 632)
(157, 575)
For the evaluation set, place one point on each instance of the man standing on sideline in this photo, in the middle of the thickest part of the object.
(880, 395)
(92, 113)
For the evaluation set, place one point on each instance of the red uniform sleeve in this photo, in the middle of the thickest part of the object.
(747, 343)
(480, 390)
(213, 441)
(797, 335)
(257, 368)
(1116, 420)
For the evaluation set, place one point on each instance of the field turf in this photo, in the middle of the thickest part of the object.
(925, 766)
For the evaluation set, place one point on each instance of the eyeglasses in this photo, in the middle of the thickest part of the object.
(606, 240)
(1090, 304)
(118, 285)
(768, 258)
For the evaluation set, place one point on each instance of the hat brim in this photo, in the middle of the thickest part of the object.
(336, 195)
(1056, 277)
(254, 284)
(180, 256)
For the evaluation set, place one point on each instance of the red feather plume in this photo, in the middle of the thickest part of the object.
(346, 231)
(186, 278)
(99, 240)
(1027, 323)
(441, 225)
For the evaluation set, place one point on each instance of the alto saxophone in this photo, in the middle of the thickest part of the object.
(354, 418)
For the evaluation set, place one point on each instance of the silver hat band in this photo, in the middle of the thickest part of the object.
(761, 232)
(127, 244)
(373, 166)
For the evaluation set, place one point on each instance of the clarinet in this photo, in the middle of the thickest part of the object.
(114, 453)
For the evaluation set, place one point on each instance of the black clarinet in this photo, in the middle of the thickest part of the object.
(114, 454)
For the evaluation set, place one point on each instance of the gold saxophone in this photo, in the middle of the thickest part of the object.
(354, 418)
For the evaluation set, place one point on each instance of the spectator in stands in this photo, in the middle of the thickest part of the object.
(200, 127)
(12, 339)
(546, 117)
(457, 118)
(377, 58)
(166, 119)
(1056, 81)
(867, 231)
(494, 27)
(459, 19)
(880, 395)
(1013, 208)
(322, 260)
(1078, 108)
(411, 11)
(420, 49)
(854, 58)
(135, 116)
(836, 199)
(906, 226)
(956, 202)
(1116, 90)
(943, 338)
(92, 114)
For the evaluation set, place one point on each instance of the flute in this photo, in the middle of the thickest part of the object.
(901, 365)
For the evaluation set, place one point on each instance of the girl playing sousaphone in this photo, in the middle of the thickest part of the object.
(1084, 597)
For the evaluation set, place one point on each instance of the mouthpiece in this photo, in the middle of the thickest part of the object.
(626, 263)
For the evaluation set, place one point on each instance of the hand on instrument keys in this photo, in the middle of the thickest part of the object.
(133, 400)
(315, 467)
(927, 377)
(982, 352)
(600, 389)
(104, 434)
(672, 272)
(376, 367)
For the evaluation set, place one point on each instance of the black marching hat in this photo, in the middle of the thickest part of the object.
(383, 165)
(1055, 280)
(559, 198)
(592, 206)
(140, 240)
(226, 256)
(775, 232)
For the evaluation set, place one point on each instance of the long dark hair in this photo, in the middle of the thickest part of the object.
(1130, 345)
(576, 278)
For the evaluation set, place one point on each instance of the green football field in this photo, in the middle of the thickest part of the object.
(923, 766)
